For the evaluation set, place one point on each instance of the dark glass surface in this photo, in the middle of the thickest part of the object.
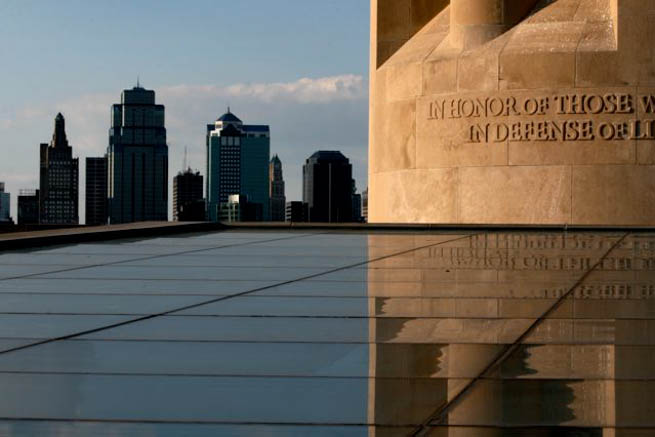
(136, 286)
(183, 398)
(335, 330)
(127, 272)
(30, 303)
(209, 358)
(332, 333)
(111, 429)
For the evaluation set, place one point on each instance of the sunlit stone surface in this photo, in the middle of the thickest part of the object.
(347, 334)
(502, 111)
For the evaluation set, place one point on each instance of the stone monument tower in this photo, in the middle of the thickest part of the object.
(512, 112)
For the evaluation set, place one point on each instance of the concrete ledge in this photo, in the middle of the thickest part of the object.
(52, 237)
(432, 227)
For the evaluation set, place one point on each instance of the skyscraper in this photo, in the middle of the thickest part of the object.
(188, 204)
(28, 207)
(137, 159)
(356, 204)
(96, 191)
(59, 179)
(5, 212)
(276, 190)
(327, 187)
(237, 163)
(296, 212)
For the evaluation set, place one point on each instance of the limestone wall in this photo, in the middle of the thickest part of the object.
(509, 111)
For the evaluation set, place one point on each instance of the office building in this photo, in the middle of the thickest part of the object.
(96, 191)
(356, 200)
(237, 163)
(238, 208)
(5, 209)
(28, 207)
(276, 190)
(137, 159)
(59, 179)
(296, 212)
(365, 205)
(327, 187)
(188, 203)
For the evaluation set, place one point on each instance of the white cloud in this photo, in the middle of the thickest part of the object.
(305, 90)
(323, 90)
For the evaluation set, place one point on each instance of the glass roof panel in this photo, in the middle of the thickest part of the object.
(331, 333)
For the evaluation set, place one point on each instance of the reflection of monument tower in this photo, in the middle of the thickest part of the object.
(508, 111)
(439, 316)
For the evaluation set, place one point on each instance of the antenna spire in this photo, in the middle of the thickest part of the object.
(138, 81)
(185, 158)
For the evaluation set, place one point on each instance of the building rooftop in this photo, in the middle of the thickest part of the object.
(328, 331)
(256, 128)
(229, 117)
(327, 155)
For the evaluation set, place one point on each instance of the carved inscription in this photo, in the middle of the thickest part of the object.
(569, 116)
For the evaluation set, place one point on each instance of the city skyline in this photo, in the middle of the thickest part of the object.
(304, 89)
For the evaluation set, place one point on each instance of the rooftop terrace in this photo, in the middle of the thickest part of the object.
(328, 331)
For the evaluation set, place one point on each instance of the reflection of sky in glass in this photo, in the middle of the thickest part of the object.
(353, 334)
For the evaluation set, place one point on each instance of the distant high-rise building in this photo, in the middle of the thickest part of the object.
(28, 207)
(296, 212)
(237, 163)
(137, 159)
(188, 204)
(327, 187)
(276, 190)
(59, 179)
(365, 205)
(239, 209)
(356, 204)
(96, 191)
(5, 212)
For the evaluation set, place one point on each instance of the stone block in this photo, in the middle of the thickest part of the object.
(440, 72)
(421, 196)
(396, 148)
(620, 194)
(539, 194)
(540, 55)
(403, 81)
(480, 71)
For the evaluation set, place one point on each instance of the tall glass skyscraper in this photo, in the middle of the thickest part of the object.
(188, 203)
(237, 163)
(137, 159)
(276, 190)
(5, 198)
(96, 191)
(327, 187)
(59, 179)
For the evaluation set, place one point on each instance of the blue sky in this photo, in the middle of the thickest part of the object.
(300, 66)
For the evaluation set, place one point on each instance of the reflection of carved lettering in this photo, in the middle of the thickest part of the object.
(513, 110)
